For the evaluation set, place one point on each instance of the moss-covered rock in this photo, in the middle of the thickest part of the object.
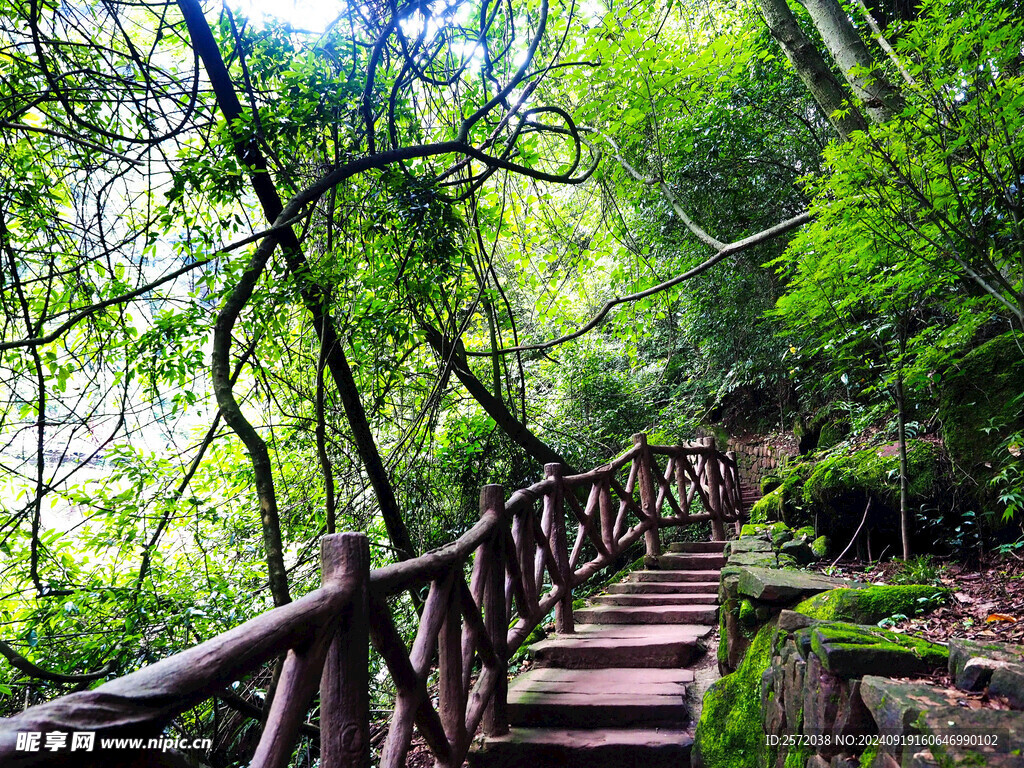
(768, 507)
(874, 472)
(769, 483)
(979, 405)
(800, 551)
(851, 650)
(978, 393)
(748, 613)
(780, 587)
(832, 433)
(730, 733)
(805, 533)
(870, 605)
(820, 547)
(780, 533)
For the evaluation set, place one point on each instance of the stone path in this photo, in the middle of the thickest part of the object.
(613, 694)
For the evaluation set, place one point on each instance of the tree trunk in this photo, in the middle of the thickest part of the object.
(901, 420)
(881, 100)
(826, 89)
(312, 296)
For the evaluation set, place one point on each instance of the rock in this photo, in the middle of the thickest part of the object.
(749, 544)
(798, 550)
(849, 650)
(806, 533)
(853, 717)
(977, 673)
(1008, 727)
(755, 559)
(817, 762)
(822, 693)
(792, 693)
(775, 586)
(791, 620)
(844, 761)
(895, 705)
(1008, 682)
(961, 650)
(870, 605)
(820, 547)
(774, 715)
(780, 534)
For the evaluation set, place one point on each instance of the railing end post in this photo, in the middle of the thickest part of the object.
(345, 682)
(492, 496)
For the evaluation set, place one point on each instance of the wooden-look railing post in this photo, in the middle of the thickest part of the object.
(451, 697)
(734, 483)
(554, 510)
(714, 485)
(495, 719)
(345, 682)
(645, 478)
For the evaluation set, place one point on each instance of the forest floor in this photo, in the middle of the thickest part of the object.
(986, 604)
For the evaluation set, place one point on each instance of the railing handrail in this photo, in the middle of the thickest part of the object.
(322, 631)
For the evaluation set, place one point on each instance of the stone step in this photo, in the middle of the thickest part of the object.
(657, 599)
(663, 588)
(585, 748)
(691, 562)
(654, 614)
(598, 698)
(696, 546)
(673, 576)
(595, 646)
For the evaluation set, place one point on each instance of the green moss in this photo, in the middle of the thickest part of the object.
(868, 756)
(797, 756)
(977, 395)
(868, 606)
(874, 471)
(831, 433)
(820, 546)
(752, 529)
(806, 533)
(748, 614)
(769, 483)
(840, 634)
(768, 507)
(730, 733)
(784, 502)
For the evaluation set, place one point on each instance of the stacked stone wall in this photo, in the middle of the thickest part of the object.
(809, 688)
(757, 459)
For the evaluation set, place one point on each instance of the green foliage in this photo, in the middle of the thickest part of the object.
(874, 471)
(920, 569)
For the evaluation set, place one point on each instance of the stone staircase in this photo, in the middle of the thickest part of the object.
(614, 693)
(749, 496)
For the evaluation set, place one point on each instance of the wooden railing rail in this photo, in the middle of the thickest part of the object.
(487, 591)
